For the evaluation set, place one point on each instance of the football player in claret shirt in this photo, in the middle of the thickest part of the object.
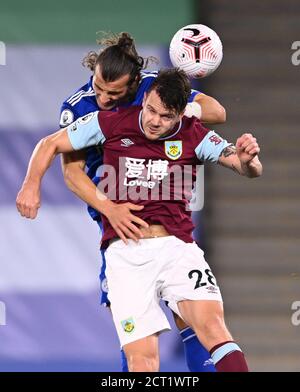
(119, 80)
(163, 262)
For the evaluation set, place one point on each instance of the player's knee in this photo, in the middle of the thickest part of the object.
(212, 329)
(143, 363)
(214, 325)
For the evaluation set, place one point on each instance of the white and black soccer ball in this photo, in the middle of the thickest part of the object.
(197, 50)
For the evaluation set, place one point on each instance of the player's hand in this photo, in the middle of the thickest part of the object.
(247, 148)
(124, 222)
(28, 201)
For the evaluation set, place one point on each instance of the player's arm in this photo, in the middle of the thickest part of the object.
(243, 157)
(73, 164)
(44, 153)
(83, 133)
(212, 111)
(207, 109)
(28, 199)
(120, 216)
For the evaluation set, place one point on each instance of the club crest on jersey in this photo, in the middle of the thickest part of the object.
(128, 325)
(173, 149)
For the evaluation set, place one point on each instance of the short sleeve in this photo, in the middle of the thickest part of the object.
(193, 95)
(85, 132)
(211, 147)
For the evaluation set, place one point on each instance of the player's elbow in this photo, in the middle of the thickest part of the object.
(220, 115)
(49, 145)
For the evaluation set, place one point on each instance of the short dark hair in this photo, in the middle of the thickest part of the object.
(173, 87)
(117, 59)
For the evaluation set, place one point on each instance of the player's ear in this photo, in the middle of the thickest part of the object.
(181, 115)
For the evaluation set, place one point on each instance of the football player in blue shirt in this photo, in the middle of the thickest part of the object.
(118, 80)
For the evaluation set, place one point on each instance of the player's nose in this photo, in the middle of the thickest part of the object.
(104, 100)
(155, 120)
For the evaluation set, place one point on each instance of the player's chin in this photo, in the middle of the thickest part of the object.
(108, 106)
(152, 135)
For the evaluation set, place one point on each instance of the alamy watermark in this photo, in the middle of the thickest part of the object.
(2, 53)
(2, 313)
(141, 179)
(295, 319)
(295, 59)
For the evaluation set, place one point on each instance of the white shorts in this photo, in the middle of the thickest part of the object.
(140, 274)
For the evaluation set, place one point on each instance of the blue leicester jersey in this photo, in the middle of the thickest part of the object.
(82, 102)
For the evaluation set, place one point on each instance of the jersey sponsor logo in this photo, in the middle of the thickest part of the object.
(66, 118)
(215, 139)
(128, 325)
(146, 175)
(126, 142)
(145, 184)
(87, 118)
(173, 149)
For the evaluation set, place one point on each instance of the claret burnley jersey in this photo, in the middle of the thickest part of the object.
(156, 174)
(82, 102)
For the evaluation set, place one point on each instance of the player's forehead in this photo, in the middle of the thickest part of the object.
(117, 85)
(153, 100)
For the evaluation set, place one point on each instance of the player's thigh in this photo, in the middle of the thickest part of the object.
(189, 277)
(206, 318)
(132, 274)
(199, 313)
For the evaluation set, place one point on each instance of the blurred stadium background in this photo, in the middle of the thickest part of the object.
(49, 267)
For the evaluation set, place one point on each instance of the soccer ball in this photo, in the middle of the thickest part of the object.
(197, 50)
